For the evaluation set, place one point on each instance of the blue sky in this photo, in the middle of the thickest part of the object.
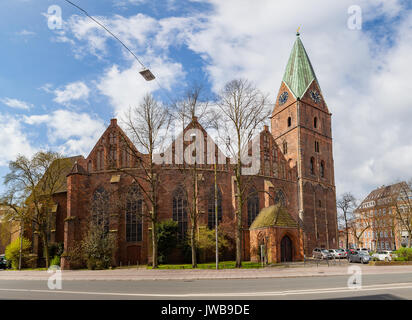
(59, 88)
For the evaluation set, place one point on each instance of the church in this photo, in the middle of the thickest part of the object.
(290, 207)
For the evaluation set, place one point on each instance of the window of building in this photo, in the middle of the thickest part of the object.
(317, 146)
(322, 169)
(312, 165)
(180, 212)
(252, 206)
(134, 215)
(280, 198)
(289, 121)
(100, 159)
(285, 147)
(315, 122)
(211, 219)
(100, 209)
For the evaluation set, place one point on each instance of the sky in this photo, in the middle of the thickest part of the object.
(60, 84)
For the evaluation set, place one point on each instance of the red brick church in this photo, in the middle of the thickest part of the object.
(291, 207)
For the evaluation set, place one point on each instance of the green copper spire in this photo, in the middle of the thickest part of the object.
(299, 73)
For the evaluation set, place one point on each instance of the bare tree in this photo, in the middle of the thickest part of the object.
(401, 202)
(346, 203)
(146, 125)
(192, 108)
(36, 180)
(243, 110)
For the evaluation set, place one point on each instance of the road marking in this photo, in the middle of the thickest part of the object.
(230, 294)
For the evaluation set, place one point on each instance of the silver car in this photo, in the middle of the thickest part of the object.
(318, 253)
(359, 256)
(337, 253)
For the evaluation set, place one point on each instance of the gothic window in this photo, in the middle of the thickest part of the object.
(180, 212)
(252, 206)
(316, 146)
(100, 208)
(134, 212)
(322, 169)
(211, 219)
(112, 138)
(275, 170)
(315, 122)
(275, 155)
(289, 121)
(267, 168)
(89, 166)
(125, 157)
(312, 165)
(280, 198)
(285, 147)
(113, 156)
(100, 159)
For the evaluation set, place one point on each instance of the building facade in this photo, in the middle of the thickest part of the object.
(379, 221)
(296, 173)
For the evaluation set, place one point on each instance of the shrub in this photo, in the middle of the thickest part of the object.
(98, 248)
(404, 254)
(206, 243)
(166, 239)
(55, 261)
(13, 250)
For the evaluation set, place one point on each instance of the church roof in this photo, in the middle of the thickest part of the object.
(274, 216)
(299, 72)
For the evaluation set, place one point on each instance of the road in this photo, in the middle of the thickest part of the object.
(374, 286)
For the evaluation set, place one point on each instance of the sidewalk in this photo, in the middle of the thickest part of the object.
(198, 274)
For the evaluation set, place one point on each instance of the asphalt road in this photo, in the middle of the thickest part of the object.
(386, 286)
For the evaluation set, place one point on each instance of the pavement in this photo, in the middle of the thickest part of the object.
(139, 274)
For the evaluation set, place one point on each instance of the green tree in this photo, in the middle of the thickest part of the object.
(35, 180)
(166, 238)
(13, 250)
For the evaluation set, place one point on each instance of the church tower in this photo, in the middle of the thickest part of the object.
(301, 126)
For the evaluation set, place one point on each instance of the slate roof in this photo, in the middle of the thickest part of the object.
(274, 216)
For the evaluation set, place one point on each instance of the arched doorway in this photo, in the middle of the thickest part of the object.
(286, 249)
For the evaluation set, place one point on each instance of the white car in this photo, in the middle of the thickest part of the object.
(384, 255)
(337, 253)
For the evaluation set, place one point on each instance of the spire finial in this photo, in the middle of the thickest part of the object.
(297, 32)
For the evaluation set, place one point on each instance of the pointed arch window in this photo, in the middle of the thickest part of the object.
(322, 169)
(134, 215)
(180, 212)
(100, 159)
(285, 147)
(315, 122)
(252, 206)
(280, 198)
(211, 219)
(312, 165)
(289, 121)
(100, 208)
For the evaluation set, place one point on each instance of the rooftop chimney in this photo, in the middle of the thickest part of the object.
(113, 122)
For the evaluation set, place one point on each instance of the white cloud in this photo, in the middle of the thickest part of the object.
(17, 104)
(72, 133)
(365, 83)
(13, 140)
(71, 92)
(25, 33)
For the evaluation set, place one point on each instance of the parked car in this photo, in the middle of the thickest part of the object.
(384, 255)
(3, 262)
(359, 256)
(337, 253)
(349, 252)
(344, 253)
(318, 253)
